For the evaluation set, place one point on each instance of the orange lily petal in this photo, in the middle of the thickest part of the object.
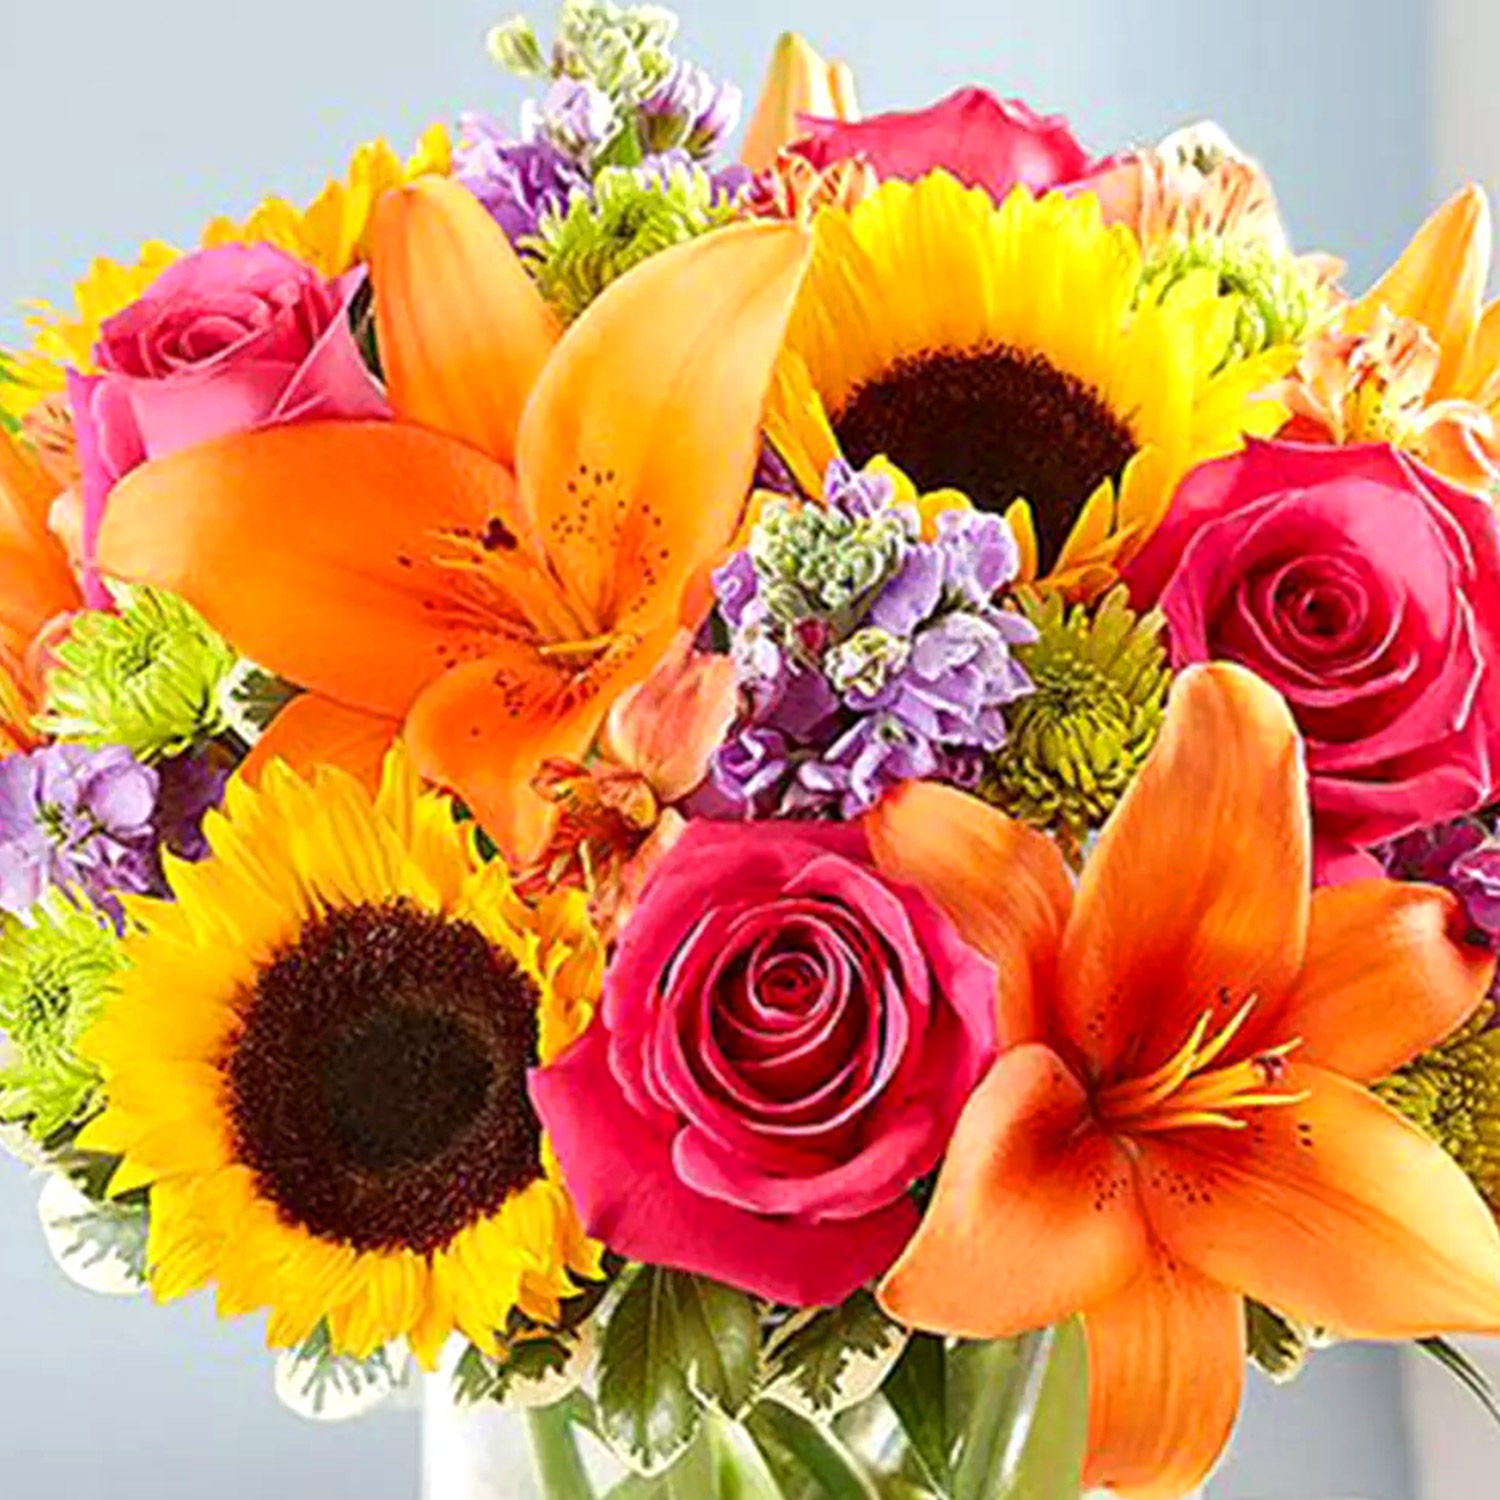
(1034, 1218)
(36, 582)
(464, 332)
(1389, 974)
(798, 83)
(309, 548)
(485, 729)
(638, 447)
(1166, 1372)
(1189, 903)
(1480, 380)
(1439, 281)
(1002, 884)
(1334, 1210)
(312, 731)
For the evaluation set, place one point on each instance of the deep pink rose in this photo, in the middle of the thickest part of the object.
(224, 341)
(1367, 591)
(985, 142)
(786, 1041)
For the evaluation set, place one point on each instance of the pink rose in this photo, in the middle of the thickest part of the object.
(786, 1041)
(985, 142)
(1366, 590)
(226, 340)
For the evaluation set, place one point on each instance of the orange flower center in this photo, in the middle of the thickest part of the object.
(1192, 1089)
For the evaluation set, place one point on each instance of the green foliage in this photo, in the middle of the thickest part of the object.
(113, 1228)
(322, 1377)
(56, 968)
(1465, 1371)
(1278, 1346)
(629, 217)
(151, 677)
(814, 1351)
(674, 1344)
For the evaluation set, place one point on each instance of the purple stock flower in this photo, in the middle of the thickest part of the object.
(191, 786)
(577, 116)
(76, 817)
(518, 181)
(1460, 856)
(910, 679)
(690, 110)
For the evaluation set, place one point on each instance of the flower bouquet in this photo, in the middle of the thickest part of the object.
(826, 820)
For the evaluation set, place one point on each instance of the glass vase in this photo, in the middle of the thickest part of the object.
(954, 1421)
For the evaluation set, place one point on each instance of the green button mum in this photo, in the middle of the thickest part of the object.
(1075, 744)
(55, 970)
(153, 677)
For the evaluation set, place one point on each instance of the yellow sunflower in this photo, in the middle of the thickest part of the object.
(328, 235)
(317, 1063)
(1004, 351)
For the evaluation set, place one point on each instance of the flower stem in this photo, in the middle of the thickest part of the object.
(554, 1446)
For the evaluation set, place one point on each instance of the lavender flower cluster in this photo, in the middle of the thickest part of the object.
(95, 822)
(577, 128)
(866, 654)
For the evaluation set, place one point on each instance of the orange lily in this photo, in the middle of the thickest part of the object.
(494, 568)
(1180, 1120)
(799, 82)
(1416, 360)
(37, 587)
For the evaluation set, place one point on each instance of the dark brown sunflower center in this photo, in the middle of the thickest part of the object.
(995, 423)
(379, 1087)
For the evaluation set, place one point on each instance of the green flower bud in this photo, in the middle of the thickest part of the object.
(151, 678)
(514, 45)
(866, 661)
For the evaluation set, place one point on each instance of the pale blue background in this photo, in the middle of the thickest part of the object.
(128, 119)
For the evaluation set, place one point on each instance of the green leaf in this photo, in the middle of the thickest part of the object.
(673, 1343)
(807, 1455)
(819, 1357)
(1277, 1345)
(918, 1390)
(1458, 1364)
(721, 1463)
(554, 1451)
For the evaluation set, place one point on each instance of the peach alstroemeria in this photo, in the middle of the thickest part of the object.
(1180, 1120)
(37, 586)
(1416, 361)
(496, 566)
(799, 85)
(616, 813)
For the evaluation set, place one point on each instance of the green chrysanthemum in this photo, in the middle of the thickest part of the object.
(152, 678)
(1277, 299)
(1075, 743)
(1453, 1095)
(55, 970)
(629, 217)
